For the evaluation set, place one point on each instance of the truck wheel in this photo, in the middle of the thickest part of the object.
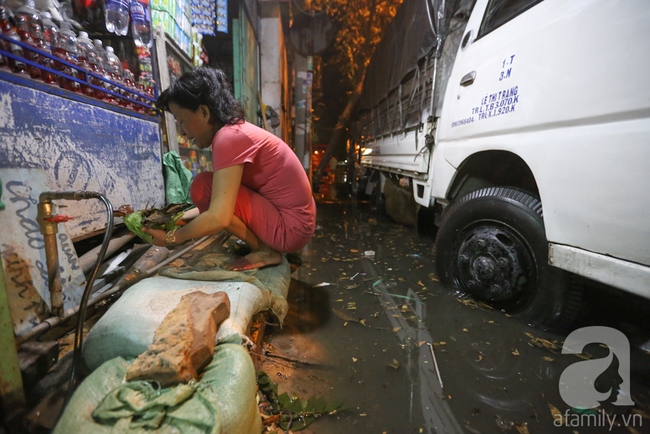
(492, 245)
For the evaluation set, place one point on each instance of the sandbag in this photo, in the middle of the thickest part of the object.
(127, 328)
(226, 403)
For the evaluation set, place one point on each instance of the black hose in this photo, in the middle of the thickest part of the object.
(83, 305)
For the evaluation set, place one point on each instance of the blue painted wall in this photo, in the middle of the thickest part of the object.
(82, 144)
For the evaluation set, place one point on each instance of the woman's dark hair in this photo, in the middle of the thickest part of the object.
(204, 86)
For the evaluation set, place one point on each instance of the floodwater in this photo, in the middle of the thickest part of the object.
(406, 355)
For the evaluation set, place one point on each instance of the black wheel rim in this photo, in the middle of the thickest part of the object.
(494, 263)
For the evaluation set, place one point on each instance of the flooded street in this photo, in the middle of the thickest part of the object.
(406, 355)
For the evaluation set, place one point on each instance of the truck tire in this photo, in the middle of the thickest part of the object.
(492, 246)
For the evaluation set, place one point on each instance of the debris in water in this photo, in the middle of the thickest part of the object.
(515, 352)
(504, 424)
(435, 364)
(557, 414)
(320, 285)
(345, 317)
(394, 364)
(544, 343)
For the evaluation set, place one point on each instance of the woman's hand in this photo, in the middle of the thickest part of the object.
(158, 236)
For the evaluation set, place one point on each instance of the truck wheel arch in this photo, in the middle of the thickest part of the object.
(491, 169)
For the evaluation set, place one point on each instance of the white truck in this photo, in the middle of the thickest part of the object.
(525, 126)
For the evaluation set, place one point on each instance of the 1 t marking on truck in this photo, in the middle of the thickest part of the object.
(505, 73)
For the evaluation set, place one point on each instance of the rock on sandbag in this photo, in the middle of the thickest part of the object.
(184, 342)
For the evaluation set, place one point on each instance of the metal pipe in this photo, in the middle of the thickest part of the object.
(126, 282)
(89, 259)
(83, 305)
(49, 229)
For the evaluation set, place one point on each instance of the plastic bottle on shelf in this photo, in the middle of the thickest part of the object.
(129, 82)
(114, 69)
(141, 23)
(22, 28)
(117, 16)
(150, 93)
(142, 91)
(50, 30)
(101, 55)
(87, 59)
(16, 65)
(66, 49)
(30, 29)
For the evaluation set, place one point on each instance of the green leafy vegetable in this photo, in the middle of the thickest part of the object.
(155, 218)
(294, 413)
(133, 221)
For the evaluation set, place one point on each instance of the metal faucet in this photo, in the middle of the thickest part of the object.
(48, 222)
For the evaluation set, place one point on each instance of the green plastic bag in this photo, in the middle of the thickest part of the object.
(137, 220)
(177, 179)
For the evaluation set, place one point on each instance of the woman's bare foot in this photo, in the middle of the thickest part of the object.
(263, 257)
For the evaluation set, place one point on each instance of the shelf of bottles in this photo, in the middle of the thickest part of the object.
(173, 17)
(57, 57)
(195, 159)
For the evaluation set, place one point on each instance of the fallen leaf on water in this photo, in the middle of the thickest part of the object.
(480, 357)
(394, 364)
(548, 359)
(465, 330)
(522, 428)
(420, 343)
(352, 305)
(420, 283)
(345, 324)
(504, 424)
(439, 343)
(396, 329)
(557, 414)
(354, 360)
(344, 316)
(363, 414)
(339, 300)
(354, 251)
(543, 343)
(515, 352)
(362, 321)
